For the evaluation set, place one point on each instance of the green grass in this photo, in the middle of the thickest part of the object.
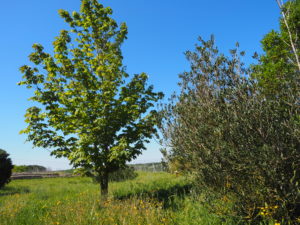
(151, 198)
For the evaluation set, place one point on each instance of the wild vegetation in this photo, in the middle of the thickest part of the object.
(232, 134)
(29, 168)
(236, 129)
(91, 111)
(151, 198)
(5, 168)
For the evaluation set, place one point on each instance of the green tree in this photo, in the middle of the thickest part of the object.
(237, 130)
(20, 169)
(89, 110)
(29, 168)
(5, 168)
(235, 140)
(278, 67)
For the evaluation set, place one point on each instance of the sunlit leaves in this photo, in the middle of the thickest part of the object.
(88, 109)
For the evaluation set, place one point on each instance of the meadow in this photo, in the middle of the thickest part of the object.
(151, 198)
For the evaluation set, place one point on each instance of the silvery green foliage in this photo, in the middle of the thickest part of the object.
(225, 130)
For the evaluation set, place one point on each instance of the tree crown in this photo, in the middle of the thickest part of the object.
(90, 111)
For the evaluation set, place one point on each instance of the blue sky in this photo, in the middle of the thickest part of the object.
(160, 31)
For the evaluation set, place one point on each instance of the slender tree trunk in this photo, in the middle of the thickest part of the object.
(292, 42)
(104, 186)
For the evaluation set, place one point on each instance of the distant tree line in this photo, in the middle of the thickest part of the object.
(29, 168)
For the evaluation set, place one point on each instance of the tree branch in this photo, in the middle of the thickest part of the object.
(280, 4)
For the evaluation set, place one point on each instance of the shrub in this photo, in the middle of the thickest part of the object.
(5, 168)
(235, 139)
(126, 173)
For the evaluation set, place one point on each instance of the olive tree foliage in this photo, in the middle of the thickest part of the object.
(194, 123)
(88, 108)
(226, 132)
(5, 168)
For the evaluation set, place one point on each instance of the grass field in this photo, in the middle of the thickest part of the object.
(151, 198)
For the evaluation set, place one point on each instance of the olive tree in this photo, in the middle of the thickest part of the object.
(235, 138)
(88, 108)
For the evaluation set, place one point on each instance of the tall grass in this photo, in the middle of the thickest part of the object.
(151, 198)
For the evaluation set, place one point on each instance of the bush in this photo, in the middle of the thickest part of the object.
(5, 168)
(124, 173)
(233, 138)
(127, 173)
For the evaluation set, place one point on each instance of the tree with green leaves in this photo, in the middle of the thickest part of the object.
(5, 168)
(278, 67)
(237, 130)
(290, 18)
(225, 131)
(89, 109)
(29, 168)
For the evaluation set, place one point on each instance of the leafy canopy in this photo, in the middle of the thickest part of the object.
(89, 109)
(237, 129)
(277, 67)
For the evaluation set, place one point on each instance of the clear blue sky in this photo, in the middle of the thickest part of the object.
(160, 31)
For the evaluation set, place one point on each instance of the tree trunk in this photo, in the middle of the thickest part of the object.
(104, 186)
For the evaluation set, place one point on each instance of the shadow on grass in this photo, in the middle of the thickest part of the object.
(12, 190)
(165, 195)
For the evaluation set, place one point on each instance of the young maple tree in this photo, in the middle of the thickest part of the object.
(89, 109)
